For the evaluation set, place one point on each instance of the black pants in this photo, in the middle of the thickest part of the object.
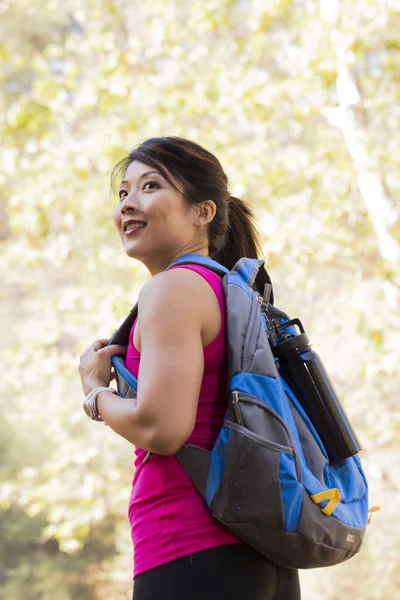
(231, 572)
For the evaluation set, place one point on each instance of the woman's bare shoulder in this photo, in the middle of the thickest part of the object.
(182, 294)
(175, 282)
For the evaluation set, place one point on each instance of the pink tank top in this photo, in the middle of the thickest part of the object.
(168, 517)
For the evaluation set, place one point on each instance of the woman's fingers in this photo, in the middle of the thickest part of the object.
(114, 349)
(110, 350)
(99, 344)
(95, 363)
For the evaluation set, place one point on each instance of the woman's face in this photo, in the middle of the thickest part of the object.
(155, 223)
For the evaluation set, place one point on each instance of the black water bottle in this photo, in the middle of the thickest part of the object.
(305, 374)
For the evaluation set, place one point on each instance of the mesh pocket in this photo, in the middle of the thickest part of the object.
(249, 491)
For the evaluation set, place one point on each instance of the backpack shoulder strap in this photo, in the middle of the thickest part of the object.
(121, 335)
(202, 261)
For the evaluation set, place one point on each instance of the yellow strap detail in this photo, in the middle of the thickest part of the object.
(372, 510)
(332, 495)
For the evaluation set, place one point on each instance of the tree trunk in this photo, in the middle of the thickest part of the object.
(380, 209)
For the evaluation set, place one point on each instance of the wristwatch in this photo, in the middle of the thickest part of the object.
(90, 402)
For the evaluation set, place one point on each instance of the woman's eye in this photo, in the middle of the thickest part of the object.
(151, 182)
(123, 193)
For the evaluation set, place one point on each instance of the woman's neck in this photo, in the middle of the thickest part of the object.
(158, 265)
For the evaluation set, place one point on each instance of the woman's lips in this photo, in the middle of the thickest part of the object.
(134, 229)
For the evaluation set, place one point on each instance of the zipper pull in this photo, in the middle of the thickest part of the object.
(372, 510)
(147, 457)
(267, 293)
(236, 408)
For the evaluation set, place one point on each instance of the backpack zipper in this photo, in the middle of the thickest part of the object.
(252, 324)
(235, 405)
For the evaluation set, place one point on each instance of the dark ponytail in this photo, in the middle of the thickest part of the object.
(242, 239)
(232, 233)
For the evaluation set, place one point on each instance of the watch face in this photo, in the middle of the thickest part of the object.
(87, 409)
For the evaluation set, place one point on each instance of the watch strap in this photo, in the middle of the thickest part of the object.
(91, 402)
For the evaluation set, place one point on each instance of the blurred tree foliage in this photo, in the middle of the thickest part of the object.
(299, 99)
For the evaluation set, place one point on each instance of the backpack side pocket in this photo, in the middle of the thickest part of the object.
(249, 491)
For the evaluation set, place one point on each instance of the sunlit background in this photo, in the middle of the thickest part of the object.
(299, 99)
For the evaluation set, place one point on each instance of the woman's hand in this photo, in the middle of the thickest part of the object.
(95, 364)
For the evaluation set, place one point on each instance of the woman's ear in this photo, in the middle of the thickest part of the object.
(206, 212)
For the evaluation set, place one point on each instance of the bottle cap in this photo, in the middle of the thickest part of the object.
(292, 346)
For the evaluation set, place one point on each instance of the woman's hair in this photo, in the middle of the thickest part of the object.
(232, 233)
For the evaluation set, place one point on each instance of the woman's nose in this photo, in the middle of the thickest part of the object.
(126, 204)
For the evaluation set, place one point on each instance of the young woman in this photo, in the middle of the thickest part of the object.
(174, 200)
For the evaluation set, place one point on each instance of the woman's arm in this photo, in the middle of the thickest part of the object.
(173, 307)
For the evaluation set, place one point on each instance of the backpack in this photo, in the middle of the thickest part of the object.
(268, 478)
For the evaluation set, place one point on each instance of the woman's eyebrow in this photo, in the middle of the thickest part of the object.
(141, 177)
